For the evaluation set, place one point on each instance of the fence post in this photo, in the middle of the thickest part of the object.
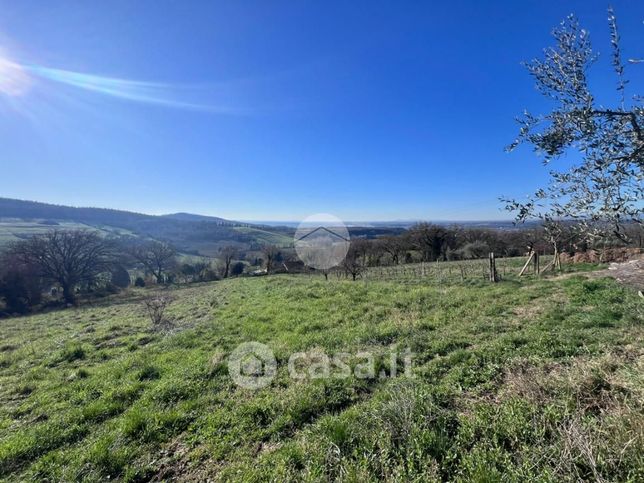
(537, 270)
(493, 275)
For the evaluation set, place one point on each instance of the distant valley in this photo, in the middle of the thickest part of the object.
(191, 234)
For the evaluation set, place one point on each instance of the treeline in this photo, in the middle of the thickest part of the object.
(59, 266)
(425, 242)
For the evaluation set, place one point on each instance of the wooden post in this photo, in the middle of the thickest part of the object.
(557, 260)
(527, 263)
(493, 275)
(537, 271)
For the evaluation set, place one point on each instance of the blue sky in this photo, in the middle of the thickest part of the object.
(275, 110)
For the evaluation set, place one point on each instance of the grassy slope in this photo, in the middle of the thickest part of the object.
(266, 237)
(257, 236)
(532, 379)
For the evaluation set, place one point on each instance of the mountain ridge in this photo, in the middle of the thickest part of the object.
(17, 208)
(194, 234)
(184, 216)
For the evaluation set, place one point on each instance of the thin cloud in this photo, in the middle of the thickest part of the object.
(167, 95)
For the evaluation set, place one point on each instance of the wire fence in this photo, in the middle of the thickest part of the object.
(451, 271)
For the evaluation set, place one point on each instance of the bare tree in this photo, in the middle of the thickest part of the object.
(429, 240)
(352, 264)
(200, 268)
(270, 253)
(603, 191)
(362, 248)
(392, 246)
(68, 258)
(227, 254)
(156, 258)
(375, 254)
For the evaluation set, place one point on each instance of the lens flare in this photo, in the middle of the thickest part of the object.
(14, 81)
(167, 95)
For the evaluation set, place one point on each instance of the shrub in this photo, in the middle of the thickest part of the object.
(155, 308)
(139, 282)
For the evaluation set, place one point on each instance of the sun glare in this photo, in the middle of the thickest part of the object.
(14, 81)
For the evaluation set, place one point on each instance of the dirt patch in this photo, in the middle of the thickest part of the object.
(629, 273)
(172, 462)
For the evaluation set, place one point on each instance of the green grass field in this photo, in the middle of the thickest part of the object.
(524, 380)
(264, 237)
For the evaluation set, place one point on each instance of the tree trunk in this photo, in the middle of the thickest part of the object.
(68, 294)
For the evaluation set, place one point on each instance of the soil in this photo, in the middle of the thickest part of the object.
(629, 273)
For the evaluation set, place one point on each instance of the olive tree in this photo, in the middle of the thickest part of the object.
(602, 190)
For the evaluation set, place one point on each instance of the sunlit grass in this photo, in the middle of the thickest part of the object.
(530, 379)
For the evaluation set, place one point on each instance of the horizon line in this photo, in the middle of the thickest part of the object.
(267, 220)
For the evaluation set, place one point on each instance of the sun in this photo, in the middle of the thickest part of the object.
(14, 80)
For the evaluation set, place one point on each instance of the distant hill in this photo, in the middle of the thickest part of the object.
(33, 210)
(190, 233)
(194, 234)
(193, 217)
